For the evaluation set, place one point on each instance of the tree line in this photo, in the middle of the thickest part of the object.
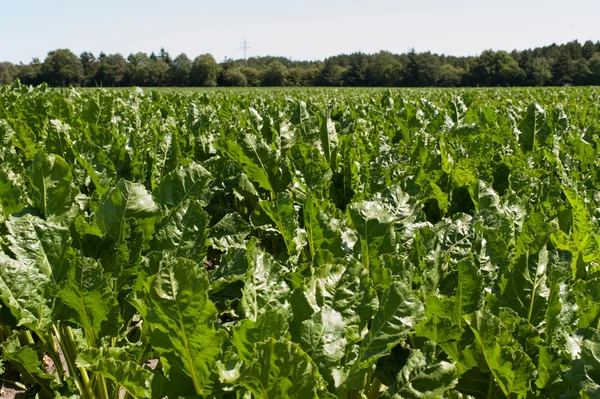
(572, 63)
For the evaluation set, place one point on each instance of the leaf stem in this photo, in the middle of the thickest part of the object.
(66, 341)
(374, 390)
(102, 388)
(50, 344)
(26, 337)
(490, 386)
(14, 383)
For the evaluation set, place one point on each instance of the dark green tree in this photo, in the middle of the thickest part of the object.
(563, 68)
(180, 70)
(8, 72)
(275, 75)
(331, 74)
(90, 68)
(234, 77)
(62, 68)
(138, 70)
(384, 69)
(163, 55)
(31, 74)
(594, 66)
(538, 71)
(294, 77)
(158, 72)
(581, 72)
(575, 49)
(422, 70)
(588, 49)
(356, 74)
(495, 69)
(113, 70)
(204, 71)
(450, 76)
(252, 76)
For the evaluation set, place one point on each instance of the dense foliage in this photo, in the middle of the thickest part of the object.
(302, 244)
(572, 63)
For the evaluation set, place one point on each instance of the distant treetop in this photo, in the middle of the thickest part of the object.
(572, 63)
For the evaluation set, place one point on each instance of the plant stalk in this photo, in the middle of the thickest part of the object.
(374, 390)
(50, 345)
(14, 383)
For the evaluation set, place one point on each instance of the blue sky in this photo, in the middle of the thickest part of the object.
(308, 29)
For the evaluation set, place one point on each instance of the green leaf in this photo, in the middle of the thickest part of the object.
(329, 140)
(126, 200)
(258, 159)
(248, 333)
(310, 165)
(510, 367)
(285, 218)
(43, 244)
(182, 320)
(88, 301)
(345, 289)
(323, 337)
(444, 321)
(189, 182)
(324, 230)
(563, 308)
(423, 377)
(27, 363)
(534, 131)
(525, 289)
(280, 369)
(166, 157)
(183, 232)
(587, 370)
(399, 312)
(11, 197)
(115, 364)
(374, 225)
(469, 291)
(25, 289)
(50, 177)
(229, 232)
(264, 284)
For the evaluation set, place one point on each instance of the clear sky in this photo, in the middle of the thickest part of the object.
(301, 30)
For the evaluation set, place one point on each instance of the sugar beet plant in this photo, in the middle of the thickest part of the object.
(300, 244)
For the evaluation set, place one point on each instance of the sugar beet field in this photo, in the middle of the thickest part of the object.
(308, 243)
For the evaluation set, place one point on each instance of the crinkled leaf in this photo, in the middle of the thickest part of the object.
(510, 367)
(285, 218)
(44, 244)
(534, 131)
(310, 165)
(126, 200)
(248, 333)
(50, 177)
(280, 369)
(399, 312)
(11, 200)
(323, 230)
(88, 301)
(264, 284)
(374, 225)
(186, 182)
(183, 320)
(116, 365)
(423, 377)
(229, 232)
(183, 232)
(26, 289)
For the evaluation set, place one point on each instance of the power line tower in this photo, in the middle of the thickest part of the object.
(245, 46)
